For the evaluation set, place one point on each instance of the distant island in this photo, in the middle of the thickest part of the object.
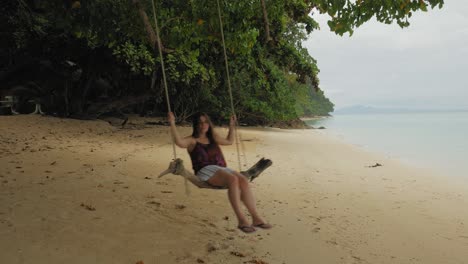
(363, 109)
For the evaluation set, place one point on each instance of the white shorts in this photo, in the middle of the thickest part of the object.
(208, 171)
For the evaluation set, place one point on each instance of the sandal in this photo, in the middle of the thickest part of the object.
(263, 226)
(247, 229)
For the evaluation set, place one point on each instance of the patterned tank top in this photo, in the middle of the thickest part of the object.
(204, 154)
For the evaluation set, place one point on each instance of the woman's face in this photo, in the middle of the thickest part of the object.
(204, 125)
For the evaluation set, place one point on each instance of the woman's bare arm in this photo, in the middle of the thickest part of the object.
(183, 142)
(230, 136)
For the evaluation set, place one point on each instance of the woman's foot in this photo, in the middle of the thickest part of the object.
(246, 228)
(260, 223)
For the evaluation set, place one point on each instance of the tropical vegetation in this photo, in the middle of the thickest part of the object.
(87, 58)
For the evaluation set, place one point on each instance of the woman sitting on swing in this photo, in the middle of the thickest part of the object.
(209, 165)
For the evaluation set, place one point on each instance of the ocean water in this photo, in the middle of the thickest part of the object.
(435, 141)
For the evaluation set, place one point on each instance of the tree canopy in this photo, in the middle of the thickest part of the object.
(85, 58)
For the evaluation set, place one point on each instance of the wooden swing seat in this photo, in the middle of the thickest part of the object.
(176, 167)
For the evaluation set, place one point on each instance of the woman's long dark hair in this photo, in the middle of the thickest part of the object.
(196, 127)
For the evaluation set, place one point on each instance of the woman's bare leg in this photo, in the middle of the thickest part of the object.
(223, 178)
(248, 199)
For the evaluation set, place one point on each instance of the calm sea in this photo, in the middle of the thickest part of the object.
(437, 141)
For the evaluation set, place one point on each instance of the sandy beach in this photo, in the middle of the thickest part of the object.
(76, 191)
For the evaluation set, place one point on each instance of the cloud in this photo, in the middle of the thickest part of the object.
(384, 64)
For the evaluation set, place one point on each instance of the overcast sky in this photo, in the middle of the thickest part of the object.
(422, 66)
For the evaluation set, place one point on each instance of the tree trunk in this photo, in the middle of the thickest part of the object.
(149, 29)
(265, 22)
(67, 110)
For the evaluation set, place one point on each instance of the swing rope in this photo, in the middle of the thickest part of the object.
(229, 85)
(158, 40)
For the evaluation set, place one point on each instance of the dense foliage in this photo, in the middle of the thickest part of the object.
(86, 58)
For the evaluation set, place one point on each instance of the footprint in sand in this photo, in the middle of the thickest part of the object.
(180, 206)
(155, 205)
(88, 207)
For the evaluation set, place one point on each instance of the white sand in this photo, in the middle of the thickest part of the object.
(326, 205)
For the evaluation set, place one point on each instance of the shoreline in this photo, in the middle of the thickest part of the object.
(314, 118)
(407, 144)
(83, 191)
